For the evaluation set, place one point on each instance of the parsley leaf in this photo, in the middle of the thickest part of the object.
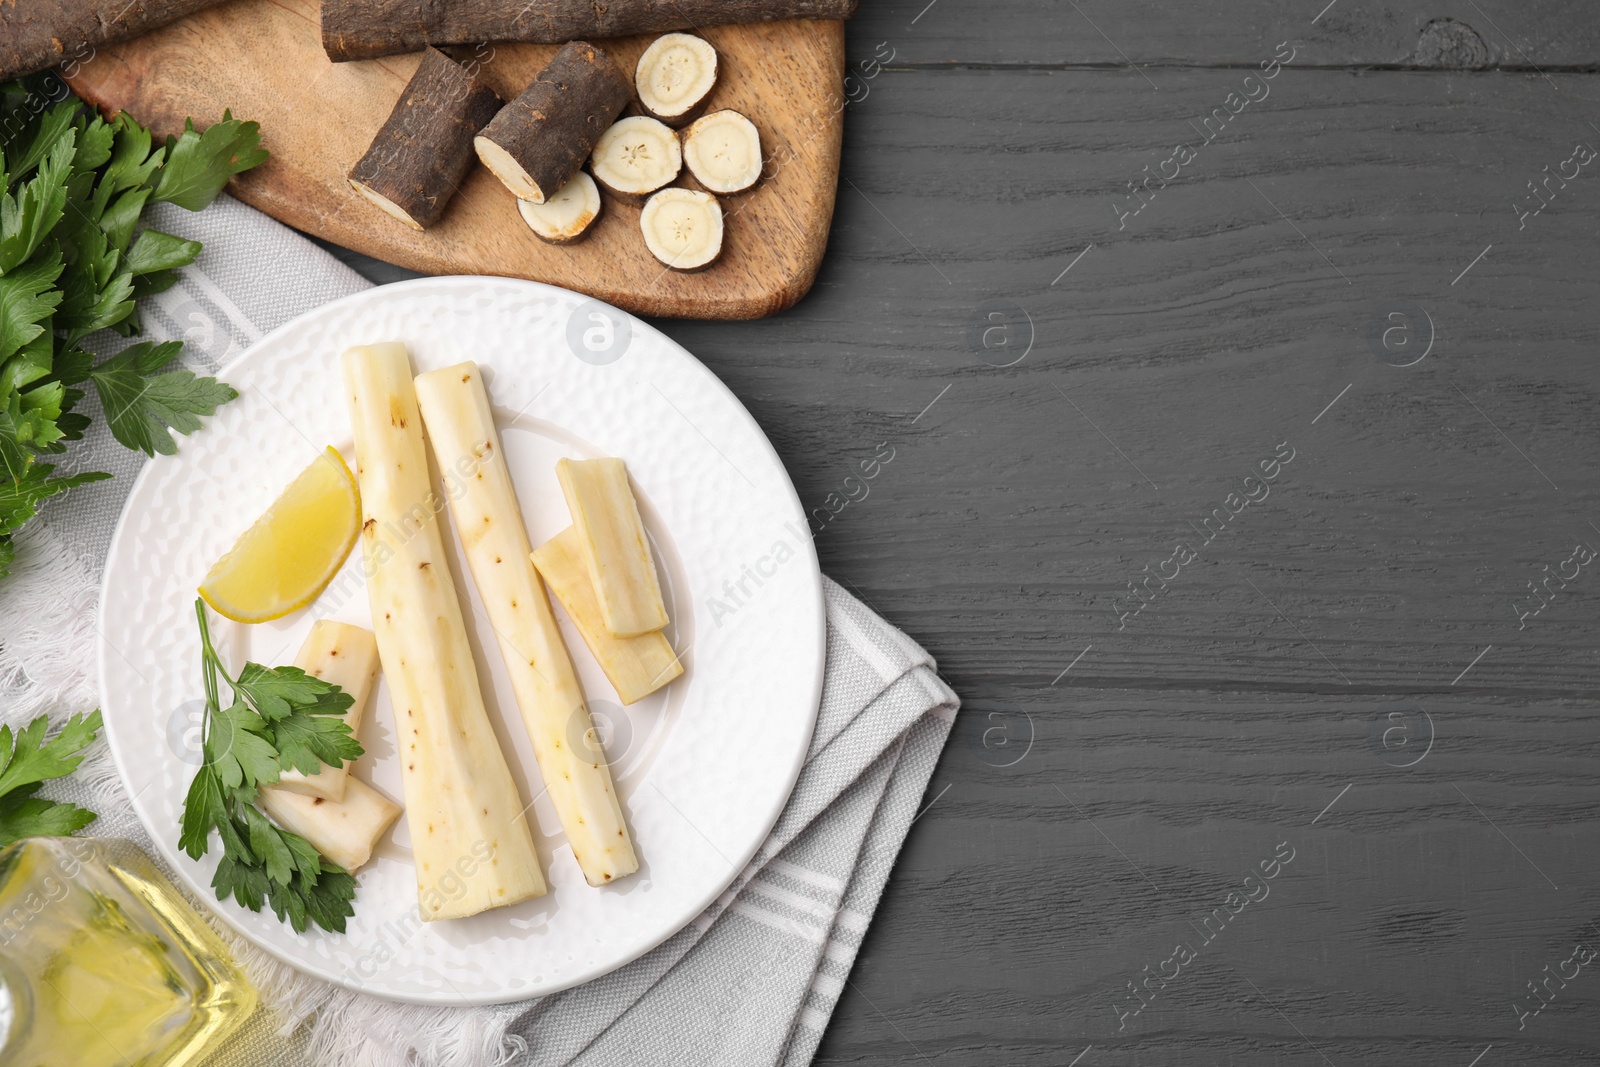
(140, 408)
(266, 844)
(306, 741)
(198, 165)
(276, 692)
(238, 750)
(27, 297)
(155, 251)
(203, 809)
(20, 497)
(53, 126)
(26, 761)
(73, 260)
(328, 901)
(31, 759)
(280, 717)
(27, 217)
(28, 816)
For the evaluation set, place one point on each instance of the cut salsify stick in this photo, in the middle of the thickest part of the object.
(635, 666)
(484, 503)
(339, 814)
(345, 831)
(347, 656)
(611, 538)
(468, 824)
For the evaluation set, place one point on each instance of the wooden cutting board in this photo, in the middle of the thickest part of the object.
(264, 60)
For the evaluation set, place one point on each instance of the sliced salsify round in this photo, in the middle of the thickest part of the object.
(683, 228)
(675, 76)
(723, 152)
(567, 216)
(636, 156)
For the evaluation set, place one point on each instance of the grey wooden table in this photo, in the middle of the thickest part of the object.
(1238, 362)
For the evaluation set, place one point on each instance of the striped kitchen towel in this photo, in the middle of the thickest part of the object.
(752, 981)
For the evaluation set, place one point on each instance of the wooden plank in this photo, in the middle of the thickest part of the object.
(1403, 930)
(264, 59)
(1192, 343)
(1193, 340)
(1468, 34)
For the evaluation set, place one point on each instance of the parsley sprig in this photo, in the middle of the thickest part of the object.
(27, 761)
(277, 718)
(73, 260)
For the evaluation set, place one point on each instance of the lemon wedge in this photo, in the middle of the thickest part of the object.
(293, 551)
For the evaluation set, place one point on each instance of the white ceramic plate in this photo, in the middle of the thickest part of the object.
(703, 767)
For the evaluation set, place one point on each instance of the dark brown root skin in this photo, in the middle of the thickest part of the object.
(367, 29)
(637, 199)
(632, 199)
(704, 266)
(36, 35)
(424, 150)
(551, 128)
(678, 122)
(566, 241)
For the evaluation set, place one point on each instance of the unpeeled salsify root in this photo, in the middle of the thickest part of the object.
(367, 29)
(423, 152)
(538, 141)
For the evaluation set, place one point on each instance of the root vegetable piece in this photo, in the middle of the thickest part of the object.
(723, 152)
(424, 150)
(38, 34)
(461, 430)
(636, 156)
(567, 216)
(345, 831)
(635, 666)
(675, 76)
(347, 656)
(469, 829)
(539, 140)
(613, 544)
(366, 29)
(683, 228)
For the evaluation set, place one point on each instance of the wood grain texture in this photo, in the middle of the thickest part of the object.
(47, 33)
(1508, 34)
(263, 59)
(369, 29)
(1214, 726)
(1179, 751)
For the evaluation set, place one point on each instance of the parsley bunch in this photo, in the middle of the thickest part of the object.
(73, 260)
(27, 761)
(279, 717)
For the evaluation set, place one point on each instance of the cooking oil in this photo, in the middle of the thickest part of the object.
(104, 964)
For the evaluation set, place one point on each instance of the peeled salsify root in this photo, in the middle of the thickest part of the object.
(683, 228)
(675, 76)
(636, 156)
(723, 152)
(567, 216)
(345, 831)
